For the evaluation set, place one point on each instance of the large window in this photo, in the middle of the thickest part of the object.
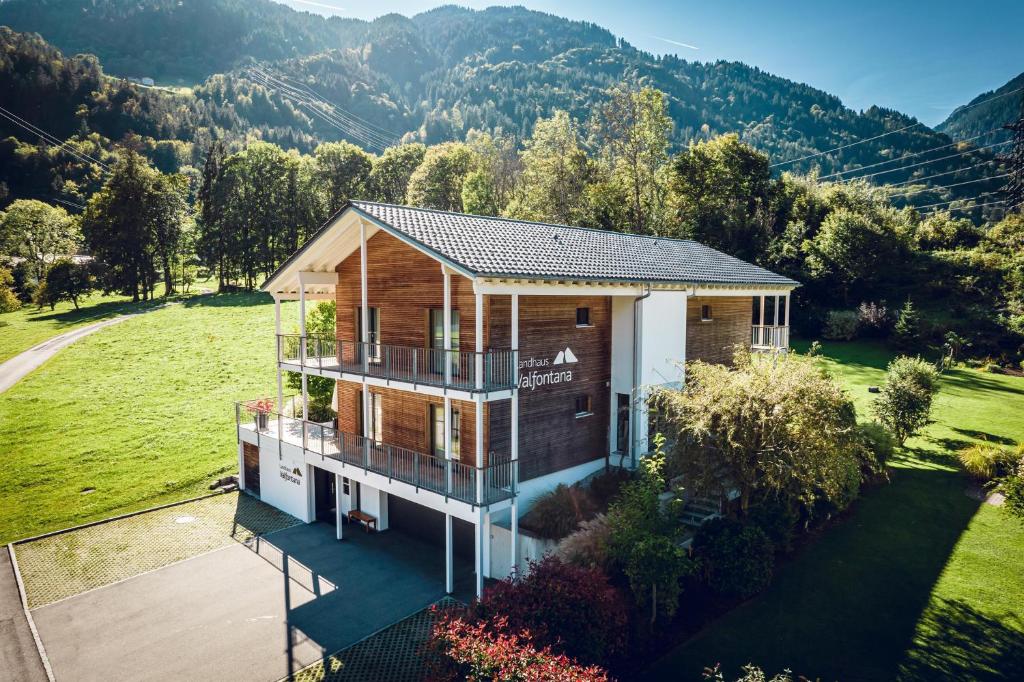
(375, 431)
(437, 431)
(372, 332)
(435, 340)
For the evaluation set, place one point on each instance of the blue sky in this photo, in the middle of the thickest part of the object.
(922, 58)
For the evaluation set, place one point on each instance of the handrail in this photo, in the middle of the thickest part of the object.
(769, 336)
(471, 484)
(495, 369)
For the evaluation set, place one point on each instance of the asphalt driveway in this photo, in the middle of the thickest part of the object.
(237, 613)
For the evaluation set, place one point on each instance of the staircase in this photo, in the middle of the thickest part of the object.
(699, 510)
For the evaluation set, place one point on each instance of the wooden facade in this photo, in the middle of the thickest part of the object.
(715, 340)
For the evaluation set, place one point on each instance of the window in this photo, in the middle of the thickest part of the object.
(435, 340)
(437, 431)
(583, 317)
(705, 313)
(376, 430)
(345, 486)
(583, 406)
(372, 333)
(622, 422)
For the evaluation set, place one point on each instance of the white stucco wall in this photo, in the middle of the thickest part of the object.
(280, 486)
(662, 352)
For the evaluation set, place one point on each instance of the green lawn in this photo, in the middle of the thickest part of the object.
(919, 583)
(24, 328)
(141, 412)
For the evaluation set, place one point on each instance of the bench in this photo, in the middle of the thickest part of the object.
(364, 518)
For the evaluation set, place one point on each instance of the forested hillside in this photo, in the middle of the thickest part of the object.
(986, 112)
(438, 75)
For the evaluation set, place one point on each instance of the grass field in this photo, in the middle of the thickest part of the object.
(141, 413)
(921, 582)
(24, 328)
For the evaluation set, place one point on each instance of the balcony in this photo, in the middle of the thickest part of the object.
(493, 370)
(769, 337)
(478, 486)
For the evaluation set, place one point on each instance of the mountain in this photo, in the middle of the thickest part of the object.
(987, 112)
(437, 75)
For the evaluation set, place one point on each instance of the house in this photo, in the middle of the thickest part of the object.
(482, 361)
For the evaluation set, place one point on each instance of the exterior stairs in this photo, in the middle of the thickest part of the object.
(699, 510)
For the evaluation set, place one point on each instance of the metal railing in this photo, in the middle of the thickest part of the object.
(467, 370)
(769, 336)
(473, 485)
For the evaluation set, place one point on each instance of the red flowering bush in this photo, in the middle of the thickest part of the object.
(491, 651)
(573, 610)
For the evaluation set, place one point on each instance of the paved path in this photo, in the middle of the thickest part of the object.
(12, 371)
(19, 658)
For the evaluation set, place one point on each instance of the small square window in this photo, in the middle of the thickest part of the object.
(583, 405)
(705, 313)
(583, 317)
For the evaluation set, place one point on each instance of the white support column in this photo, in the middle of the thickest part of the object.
(339, 516)
(486, 559)
(447, 364)
(478, 542)
(302, 348)
(364, 327)
(241, 466)
(280, 374)
(514, 433)
(762, 311)
(478, 319)
(479, 411)
(449, 556)
(787, 320)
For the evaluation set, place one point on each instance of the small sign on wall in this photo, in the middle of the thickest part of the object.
(292, 474)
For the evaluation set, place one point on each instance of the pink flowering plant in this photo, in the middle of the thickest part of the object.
(261, 405)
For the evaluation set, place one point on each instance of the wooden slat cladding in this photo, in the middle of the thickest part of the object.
(405, 418)
(714, 341)
(403, 283)
(551, 436)
(251, 462)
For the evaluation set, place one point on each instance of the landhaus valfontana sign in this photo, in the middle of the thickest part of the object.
(535, 372)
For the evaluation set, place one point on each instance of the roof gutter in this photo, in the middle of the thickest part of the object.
(636, 376)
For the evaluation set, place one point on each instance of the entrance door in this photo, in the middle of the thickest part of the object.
(324, 490)
(437, 431)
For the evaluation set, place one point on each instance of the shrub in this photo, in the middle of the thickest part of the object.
(8, 299)
(873, 319)
(877, 446)
(737, 559)
(1012, 487)
(606, 485)
(751, 673)
(985, 462)
(572, 610)
(655, 567)
(559, 512)
(904, 405)
(840, 325)
(492, 652)
(588, 546)
(777, 518)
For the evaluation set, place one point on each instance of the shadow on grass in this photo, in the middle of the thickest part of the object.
(847, 606)
(985, 436)
(960, 643)
(230, 299)
(94, 313)
(971, 381)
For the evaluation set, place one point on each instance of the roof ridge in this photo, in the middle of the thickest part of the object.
(532, 222)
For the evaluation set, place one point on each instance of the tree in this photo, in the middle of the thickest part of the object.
(321, 321)
(65, 281)
(8, 299)
(212, 246)
(907, 330)
(344, 170)
(904, 404)
(769, 427)
(633, 129)
(556, 172)
(655, 567)
(38, 232)
(479, 195)
(723, 195)
(389, 177)
(437, 182)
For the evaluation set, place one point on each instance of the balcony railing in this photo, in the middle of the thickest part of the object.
(769, 336)
(488, 371)
(473, 485)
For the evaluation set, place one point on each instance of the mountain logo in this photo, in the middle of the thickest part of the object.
(565, 357)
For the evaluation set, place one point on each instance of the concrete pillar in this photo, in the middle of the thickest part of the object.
(302, 348)
(339, 515)
(478, 554)
(241, 465)
(487, 544)
(514, 434)
(280, 374)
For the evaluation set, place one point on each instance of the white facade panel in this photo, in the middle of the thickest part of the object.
(284, 481)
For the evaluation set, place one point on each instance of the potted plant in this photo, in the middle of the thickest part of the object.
(262, 408)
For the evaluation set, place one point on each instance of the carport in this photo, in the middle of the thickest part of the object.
(247, 613)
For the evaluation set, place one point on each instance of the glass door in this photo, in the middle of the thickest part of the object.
(436, 341)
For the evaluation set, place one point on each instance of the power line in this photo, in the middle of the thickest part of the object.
(914, 181)
(941, 187)
(893, 132)
(1014, 188)
(953, 201)
(910, 156)
(50, 139)
(68, 203)
(925, 163)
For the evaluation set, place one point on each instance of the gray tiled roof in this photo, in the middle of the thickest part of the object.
(512, 248)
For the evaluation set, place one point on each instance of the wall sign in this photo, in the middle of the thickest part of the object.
(535, 372)
(291, 474)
